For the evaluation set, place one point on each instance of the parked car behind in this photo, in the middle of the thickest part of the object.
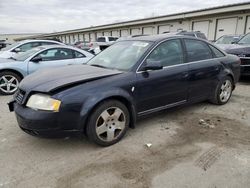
(242, 49)
(196, 34)
(101, 43)
(14, 69)
(128, 80)
(23, 46)
(227, 41)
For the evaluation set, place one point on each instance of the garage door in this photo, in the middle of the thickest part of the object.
(226, 26)
(115, 33)
(92, 37)
(148, 30)
(81, 37)
(248, 24)
(86, 36)
(164, 28)
(99, 34)
(124, 33)
(202, 26)
(107, 33)
(135, 31)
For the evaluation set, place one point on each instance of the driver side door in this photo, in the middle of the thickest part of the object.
(54, 57)
(167, 87)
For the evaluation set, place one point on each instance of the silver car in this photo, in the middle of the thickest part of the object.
(23, 46)
(14, 69)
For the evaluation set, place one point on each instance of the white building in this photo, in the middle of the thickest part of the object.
(214, 22)
(10, 38)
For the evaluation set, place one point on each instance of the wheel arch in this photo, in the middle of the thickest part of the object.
(127, 102)
(14, 71)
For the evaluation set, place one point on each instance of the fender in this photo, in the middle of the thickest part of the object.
(118, 93)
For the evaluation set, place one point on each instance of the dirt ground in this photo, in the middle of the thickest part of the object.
(201, 145)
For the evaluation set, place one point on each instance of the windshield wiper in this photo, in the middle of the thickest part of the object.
(12, 58)
(101, 66)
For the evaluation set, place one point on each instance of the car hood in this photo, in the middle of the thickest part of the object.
(238, 49)
(52, 79)
(6, 60)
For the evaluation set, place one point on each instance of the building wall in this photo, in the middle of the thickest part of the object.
(10, 38)
(213, 22)
(207, 24)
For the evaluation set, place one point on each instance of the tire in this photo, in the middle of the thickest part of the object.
(104, 127)
(225, 86)
(9, 82)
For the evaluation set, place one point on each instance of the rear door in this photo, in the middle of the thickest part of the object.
(203, 69)
(159, 89)
(52, 58)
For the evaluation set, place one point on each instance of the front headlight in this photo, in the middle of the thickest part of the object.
(43, 102)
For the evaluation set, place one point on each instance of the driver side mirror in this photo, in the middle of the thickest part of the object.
(17, 50)
(37, 59)
(152, 65)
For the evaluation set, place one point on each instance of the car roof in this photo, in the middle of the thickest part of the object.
(160, 37)
(39, 40)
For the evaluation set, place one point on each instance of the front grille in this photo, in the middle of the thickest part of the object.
(19, 96)
(245, 61)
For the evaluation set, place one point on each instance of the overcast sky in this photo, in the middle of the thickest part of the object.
(40, 16)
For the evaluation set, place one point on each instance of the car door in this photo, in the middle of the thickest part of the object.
(203, 69)
(160, 89)
(53, 57)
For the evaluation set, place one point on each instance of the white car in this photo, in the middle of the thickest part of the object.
(23, 46)
(14, 69)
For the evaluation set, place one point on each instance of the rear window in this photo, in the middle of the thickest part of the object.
(201, 35)
(101, 39)
(197, 50)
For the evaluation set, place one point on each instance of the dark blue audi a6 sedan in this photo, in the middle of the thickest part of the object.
(131, 78)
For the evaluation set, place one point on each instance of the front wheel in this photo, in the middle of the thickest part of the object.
(108, 123)
(223, 91)
(9, 82)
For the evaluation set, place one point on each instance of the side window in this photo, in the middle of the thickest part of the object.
(28, 46)
(168, 53)
(197, 50)
(111, 39)
(56, 54)
(216, 52)
(79, 55)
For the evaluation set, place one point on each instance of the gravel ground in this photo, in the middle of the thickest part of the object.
(200, 145)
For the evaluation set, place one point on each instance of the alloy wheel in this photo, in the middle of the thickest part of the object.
(8, 84)
(225, 91)
(110, 124)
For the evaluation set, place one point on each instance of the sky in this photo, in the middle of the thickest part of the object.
(45, 16)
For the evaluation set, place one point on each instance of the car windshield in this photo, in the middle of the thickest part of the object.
(121, 56)
(27, 54)
(10, 46)
(227, 40)
(245, 39)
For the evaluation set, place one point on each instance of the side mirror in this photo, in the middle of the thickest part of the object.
(17, 50)
(152, 65)
(37, 59)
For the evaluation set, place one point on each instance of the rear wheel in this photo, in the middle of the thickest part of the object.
(108, 123)
(223, 91)
(9, 82)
